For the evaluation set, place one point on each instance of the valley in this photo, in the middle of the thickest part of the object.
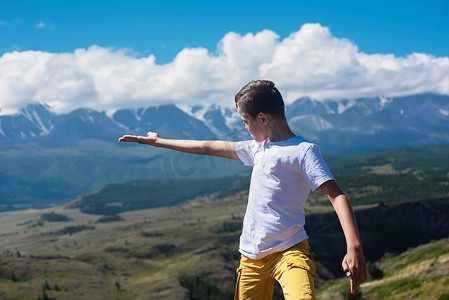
(190, 249)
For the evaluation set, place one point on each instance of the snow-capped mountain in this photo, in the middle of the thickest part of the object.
(337, 126)
(31, 122)
(372, 123)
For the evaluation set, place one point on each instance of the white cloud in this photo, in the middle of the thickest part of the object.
(44, 25)
(310, 62)
(40, 24)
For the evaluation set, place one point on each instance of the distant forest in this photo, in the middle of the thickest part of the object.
(381, 176)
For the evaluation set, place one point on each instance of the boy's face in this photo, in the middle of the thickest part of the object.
(256, 127)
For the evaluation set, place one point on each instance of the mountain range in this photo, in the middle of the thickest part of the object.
(47, 158)
(337, 126)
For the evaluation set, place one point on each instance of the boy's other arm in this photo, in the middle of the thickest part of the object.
(354, 262)
(224, 149)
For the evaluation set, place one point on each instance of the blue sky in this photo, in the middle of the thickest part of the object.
(164, 28)
(115, 54)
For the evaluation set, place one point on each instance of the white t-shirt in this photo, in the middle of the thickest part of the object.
(283, 174)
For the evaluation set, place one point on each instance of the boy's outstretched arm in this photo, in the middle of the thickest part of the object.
(214, 148)
(354, 262)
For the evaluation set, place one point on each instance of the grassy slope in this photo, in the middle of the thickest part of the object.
(187, 239)
(384, 228)
(418, 273)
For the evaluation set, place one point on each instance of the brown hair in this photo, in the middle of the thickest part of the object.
(260, 96)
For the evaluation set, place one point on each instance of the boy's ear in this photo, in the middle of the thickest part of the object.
(264, 117)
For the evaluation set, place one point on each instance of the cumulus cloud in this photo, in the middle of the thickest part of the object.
(40, 24)
(44, 25)
(310, 62)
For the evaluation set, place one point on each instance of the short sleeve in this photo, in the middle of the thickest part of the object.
(314, 168)
(245, 151)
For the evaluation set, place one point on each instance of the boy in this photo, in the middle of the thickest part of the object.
(273, 243)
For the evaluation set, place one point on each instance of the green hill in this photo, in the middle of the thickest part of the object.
(142, 194)
(33, 176)
(391, 175)
(376, 177)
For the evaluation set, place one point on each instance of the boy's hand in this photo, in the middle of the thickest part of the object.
(150, 139)
(354, 267)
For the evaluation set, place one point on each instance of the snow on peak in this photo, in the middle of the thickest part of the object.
(345, 105)
(384, 101)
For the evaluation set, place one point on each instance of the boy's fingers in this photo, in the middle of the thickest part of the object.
(351, 281)
(357, 278)
(346, 268)
(359, 274)
(355, 281)
(127, 138)
(352, 277)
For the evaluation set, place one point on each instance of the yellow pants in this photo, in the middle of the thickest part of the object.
(292, 268)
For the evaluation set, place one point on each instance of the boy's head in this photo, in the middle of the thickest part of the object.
(260, 96)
